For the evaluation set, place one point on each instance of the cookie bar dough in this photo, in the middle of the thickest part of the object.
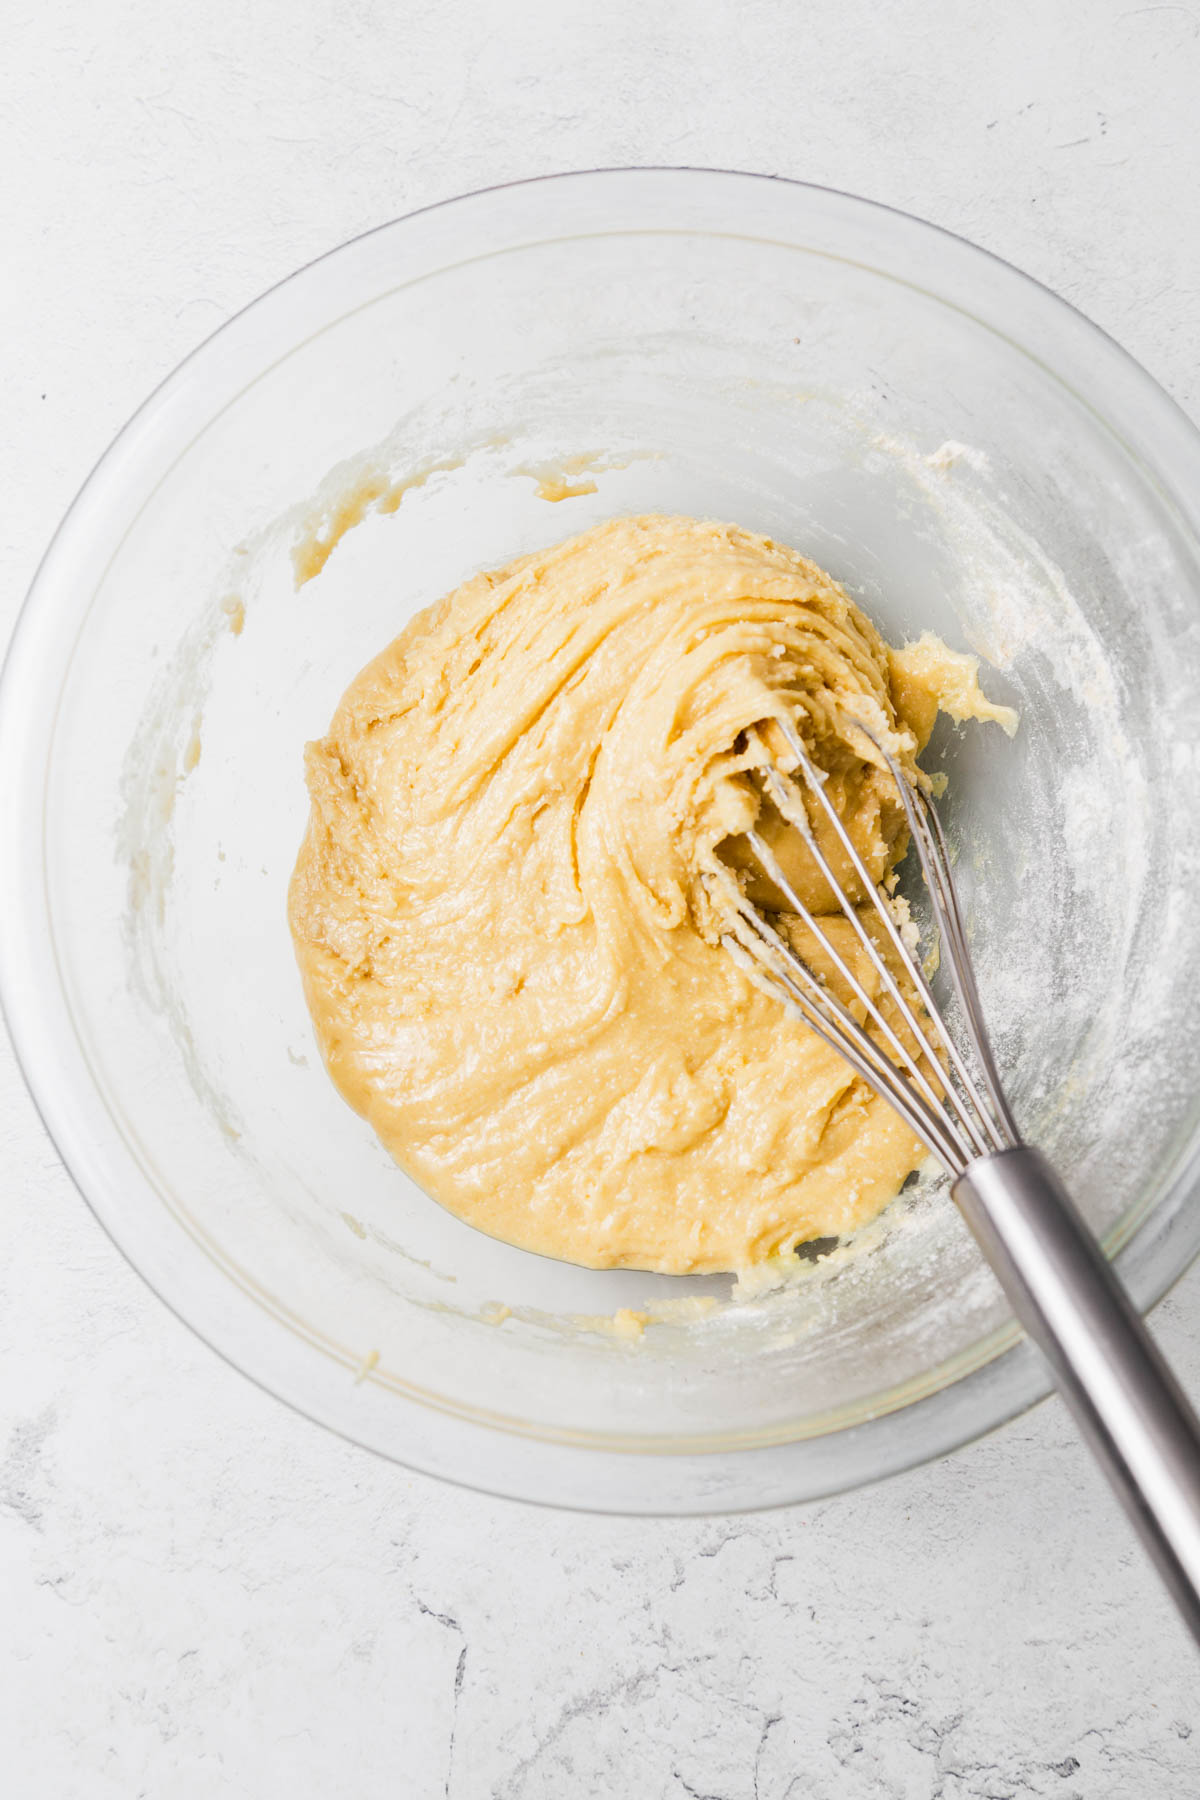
(505, 915)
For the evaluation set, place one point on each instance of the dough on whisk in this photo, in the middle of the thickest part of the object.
(503, 908)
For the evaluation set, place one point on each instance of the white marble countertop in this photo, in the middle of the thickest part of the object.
(204, 1595)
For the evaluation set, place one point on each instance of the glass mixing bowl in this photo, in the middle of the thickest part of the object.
(958, 446)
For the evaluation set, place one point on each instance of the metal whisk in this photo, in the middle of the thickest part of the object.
(1126, 1402)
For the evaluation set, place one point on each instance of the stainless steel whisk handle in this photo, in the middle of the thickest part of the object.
(1125, 1400)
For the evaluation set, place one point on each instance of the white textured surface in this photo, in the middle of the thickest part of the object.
(203, 1595)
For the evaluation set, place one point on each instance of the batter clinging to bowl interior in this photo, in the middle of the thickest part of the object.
(505, 911)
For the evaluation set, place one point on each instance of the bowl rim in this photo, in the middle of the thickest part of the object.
(544, 1468)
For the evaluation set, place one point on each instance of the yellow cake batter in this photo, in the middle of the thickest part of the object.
(505, 913)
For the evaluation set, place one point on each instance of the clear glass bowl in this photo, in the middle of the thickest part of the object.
(956, 444)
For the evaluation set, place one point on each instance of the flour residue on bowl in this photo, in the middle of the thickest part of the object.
(1020, 614)
(164, 753)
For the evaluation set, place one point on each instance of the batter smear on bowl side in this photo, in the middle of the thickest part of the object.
(505, 910)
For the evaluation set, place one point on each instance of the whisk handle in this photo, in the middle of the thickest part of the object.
(1126, 1402)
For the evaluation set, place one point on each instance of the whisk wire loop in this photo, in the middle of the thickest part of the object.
(773, 964)
(953, 1118)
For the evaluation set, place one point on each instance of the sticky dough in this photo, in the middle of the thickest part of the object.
(508, 904)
